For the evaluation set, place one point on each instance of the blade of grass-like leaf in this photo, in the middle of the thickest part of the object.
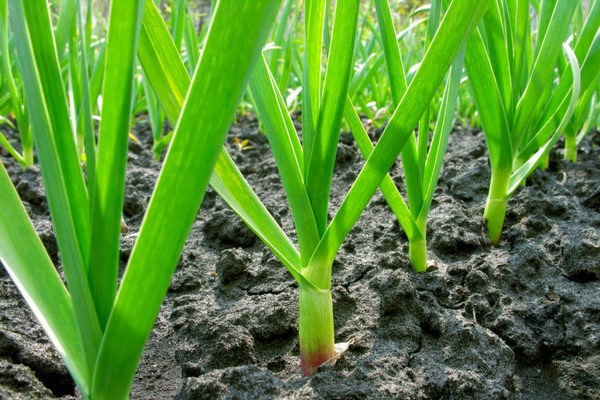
(588, 32)
(521, 46)
(589, 58)
(85, 123)
(552, 116)
(388, 188)
(391, 50)
(497, 39)
(521, 173)
(544, 12)
(488, 99)
(11, 150)
(557, 32)
(30, 268)
(9, 82)
(290, 56)
(161, 62)
(410, 156)
(496, 127)
(458, 21)
(225, 180)
(236, 34)
(263, 79)
(365, 75)
(439, 142)
(41, 43)
(55, 146)
(75, 89)
(66, 21)
(155, 115)
(588, 123)
(435, 11)
(321, 157)
(590, 75)
(314, 25)
(190, 39)
(168, 76)
(540, 145)
(178, 21)
(97, 78)
(86, 15)
(546, 130)
(279, 36)
(107, 193)
(285, 144)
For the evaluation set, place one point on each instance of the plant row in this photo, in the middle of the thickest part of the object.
(527, 71)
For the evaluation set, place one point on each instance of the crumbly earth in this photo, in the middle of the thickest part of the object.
(516, 321)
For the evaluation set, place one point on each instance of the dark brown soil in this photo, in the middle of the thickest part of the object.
(517, 321)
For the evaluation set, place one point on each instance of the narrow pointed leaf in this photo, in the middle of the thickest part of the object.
(63, 181)
(521, 173)
(321, 157)
(109, 186)
(457, 23)
(285, 144)
(236, 35)
(558, 31)
(488, 100)
(30, 267)
(311, 83)
(388, 187)
(167, 75)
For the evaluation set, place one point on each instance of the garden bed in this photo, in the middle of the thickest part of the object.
(521, 320)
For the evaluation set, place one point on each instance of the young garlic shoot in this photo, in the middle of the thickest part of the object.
(422, 164)
(511, 82)
(311, 265)
(315, 310)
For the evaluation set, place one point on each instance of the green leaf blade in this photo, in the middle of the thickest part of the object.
(222, 71)
(30, 267)
(108, 189)
(63, 181)
(170, 80)
(321, 157)
(488, 100)
(287, 151)
(458, 21)
(311, 82)
(543, 68)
